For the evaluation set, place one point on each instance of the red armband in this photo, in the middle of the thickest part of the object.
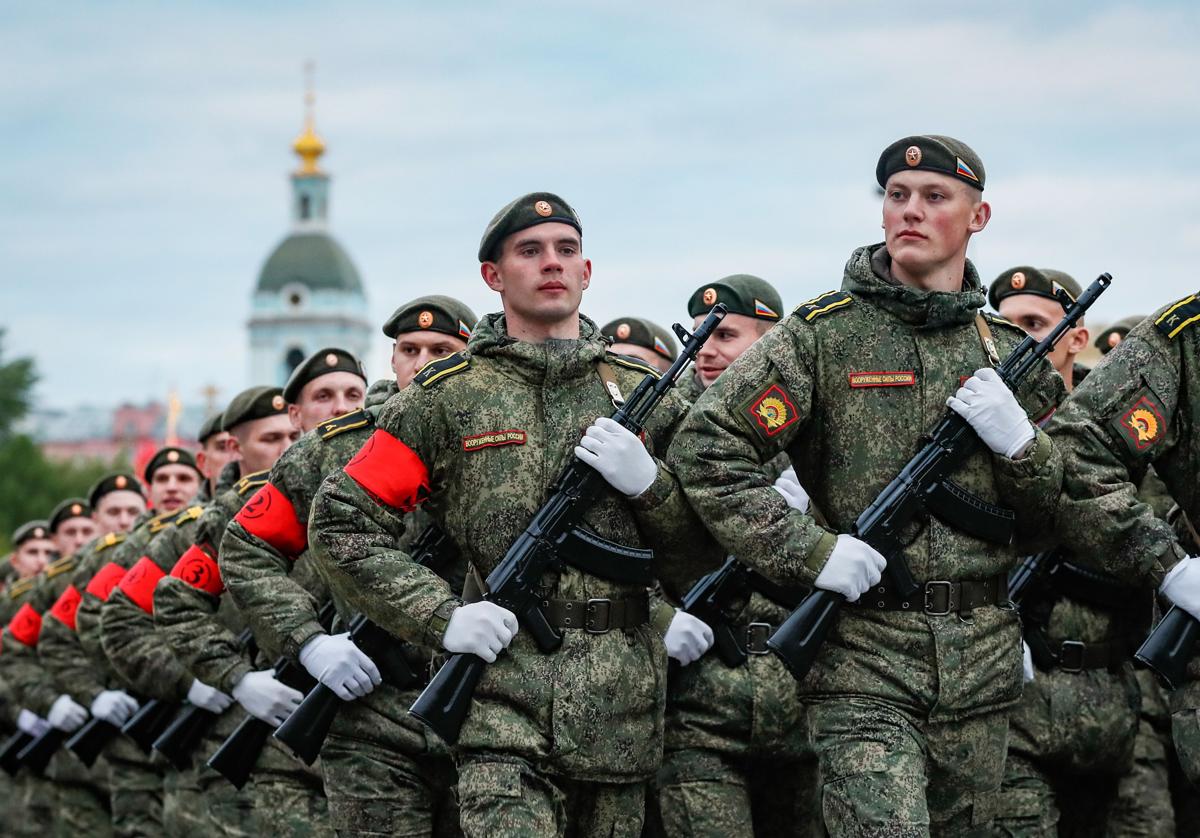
(199, 569)
(390, 472)
(106, 578)
(26, 625)
(66, 605)
(270, 516)
(138, 584)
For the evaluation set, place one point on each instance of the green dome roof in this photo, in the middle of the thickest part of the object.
(313, 259)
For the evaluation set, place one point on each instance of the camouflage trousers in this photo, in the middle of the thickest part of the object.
(135, 790)
(33, 802)
(289, 799)
(506, 796)
(885, 772)
(81, 798)
(1185, 727)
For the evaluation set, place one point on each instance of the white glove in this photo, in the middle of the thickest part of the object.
(114, 706)
(852, 568)
(991, 409)
(265, 697)
(1182, 586)
(619, 456)
(31, 723)
(337, 663)
(66, 715)
(1026, 664)
(481, 629)
(788, 485)
(687, 638)
(208, 698)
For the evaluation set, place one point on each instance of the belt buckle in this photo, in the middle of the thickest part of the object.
(1077, 648)
(762, 631)
(591, 619)
(930, 587)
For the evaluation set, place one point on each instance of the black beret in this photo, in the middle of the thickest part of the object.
(322, 362)
(117, 482)
(642, 333)
(254, 403)
(1107, 340)
(1026, 280)
(523, 213)
(30, 530)
(210, 428)
(169, 456)
(740, 294)
(67, 509)
(931, 153)
(435, 313)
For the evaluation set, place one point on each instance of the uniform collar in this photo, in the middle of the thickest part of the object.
(869, 275)
(540, 364)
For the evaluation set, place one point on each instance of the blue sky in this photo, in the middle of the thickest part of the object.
(145, 150)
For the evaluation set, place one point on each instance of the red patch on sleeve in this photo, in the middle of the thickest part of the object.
(1143, 423)
(106, 578)
(200, 570)
(390, 472)
(26, 625)
(138, 584)
(270, 516)
(66, 605)
(773, 411)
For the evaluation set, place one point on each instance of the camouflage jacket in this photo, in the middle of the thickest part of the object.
(481, 435)
(847, 385)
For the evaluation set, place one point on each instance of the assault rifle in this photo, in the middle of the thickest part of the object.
(305, 730)
(37, 753)
(87, 742)
(1170, 646)
(1031, 575)
(554, 535)
(10, 750)
(924, 485)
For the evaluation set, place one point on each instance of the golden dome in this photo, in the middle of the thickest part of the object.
(308, 147)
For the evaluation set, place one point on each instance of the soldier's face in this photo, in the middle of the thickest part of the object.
(218, 451)
(29, 559)
(172, 486)
(735, 334)
(413, 350)
(541, 273)
(325, 397)
(649, 356)
(1038, 316)
(73, 533)
(262, 441)
(927, 220)
(116, 511)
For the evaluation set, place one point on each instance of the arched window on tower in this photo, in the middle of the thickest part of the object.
(305, 208)
(293, 359)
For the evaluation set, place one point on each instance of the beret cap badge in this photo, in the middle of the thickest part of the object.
(1113, 339)
(76, 509)
(121, 482)
(912, 155)
(172, 456)
(542, 208)
(1018, 280)
(425, 319)
(710, 296)
(623, 331)
(39, 533)
(331, 360)
(277, 402)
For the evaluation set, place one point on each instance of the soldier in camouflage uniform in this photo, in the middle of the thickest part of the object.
(1134, 411)
(639, 338)
(1073, 738)
(907, 701)
(383, 773)
(558, 743)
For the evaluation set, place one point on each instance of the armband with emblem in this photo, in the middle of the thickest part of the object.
(270, 516)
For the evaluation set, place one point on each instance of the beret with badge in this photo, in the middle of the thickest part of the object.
(253, 403)
(641, 332)
(1026, 280)
(434, 313)
(169, 456)
(29, 531)
(116, 482)
(523, 213)
(68, 509)
(931, 153)
(1107, 340)
(740, 294)
(322, 362)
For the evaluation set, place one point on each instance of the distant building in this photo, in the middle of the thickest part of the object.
(309, 294)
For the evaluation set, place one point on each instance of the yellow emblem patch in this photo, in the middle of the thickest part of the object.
(772, 411)
(1142, 424)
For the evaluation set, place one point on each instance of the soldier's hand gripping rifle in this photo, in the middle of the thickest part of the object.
(305, 730)
(555, 534)
(924, 485)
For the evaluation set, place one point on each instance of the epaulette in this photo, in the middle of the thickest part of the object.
(61, 566)
(110, 540)
(346, 422)
(632, 363)
(436, 370)
(996, 318)
(252, 481)
(159, 522)
(189, 514)
(823, 304)
(1178, 317)
(20, 587)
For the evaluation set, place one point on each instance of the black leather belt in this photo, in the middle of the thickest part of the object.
(938, 598)
(1075, 655)
(597, 616)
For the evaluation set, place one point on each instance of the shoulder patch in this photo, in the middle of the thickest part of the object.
(435, 371)
(827, 302)
(160, 522)
(1141, 424)
(252, 481)
(346, 422)
(110, 540)
(996, 319)
(20, 587)
(189, 514)
(1178, 316)
(63, 565)
(632, 363)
